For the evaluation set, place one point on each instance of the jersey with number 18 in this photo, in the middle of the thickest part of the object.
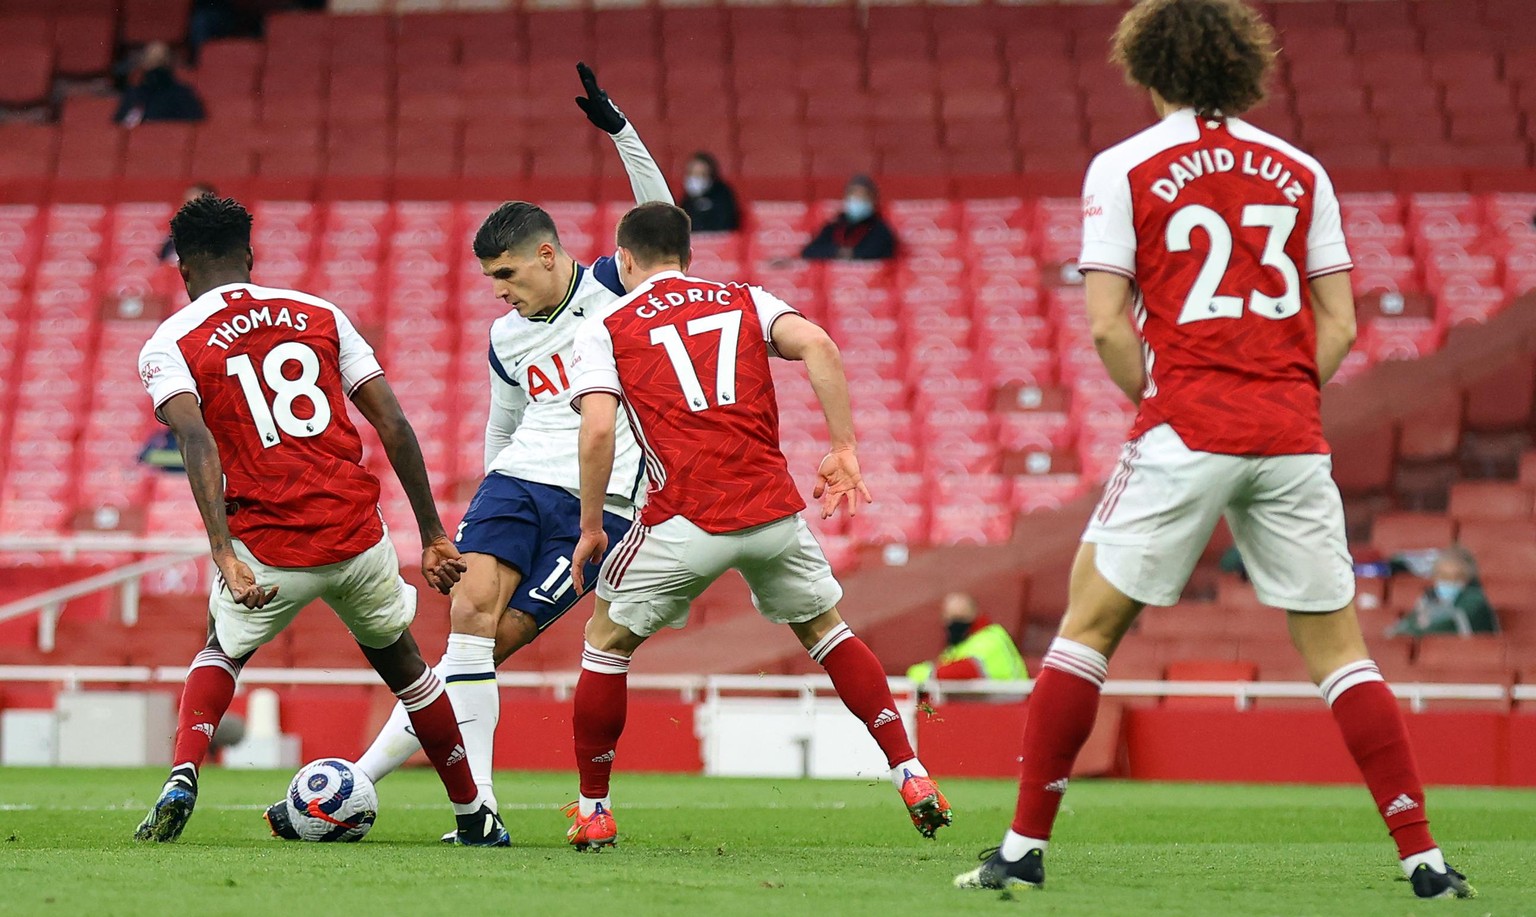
(272, 370)
(1220, 226)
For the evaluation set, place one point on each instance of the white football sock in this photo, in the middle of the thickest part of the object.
(473, 806)
(392, 747)
(900, 772)
(587, 805)
(469, 670)
(1432, 856)
(1015, 846)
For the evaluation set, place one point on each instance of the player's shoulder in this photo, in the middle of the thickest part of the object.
(297, 297)
(1173, 131)
(1251, 133)
(185, 320)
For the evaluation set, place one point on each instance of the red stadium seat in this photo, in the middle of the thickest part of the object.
(1396, 533)
(1479, 500)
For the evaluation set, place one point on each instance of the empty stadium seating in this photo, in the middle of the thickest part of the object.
(1418, 94)
(977, 392)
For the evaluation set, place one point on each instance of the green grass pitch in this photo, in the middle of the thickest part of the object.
(691, 845)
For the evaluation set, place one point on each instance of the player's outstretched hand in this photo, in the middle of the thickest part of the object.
(441, 564)
(599, 109)
(838, 477)
(590, 548)
(241, 583)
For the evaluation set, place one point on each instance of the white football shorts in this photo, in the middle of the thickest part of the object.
(366, 592)
(651, 576)
(1161, 504)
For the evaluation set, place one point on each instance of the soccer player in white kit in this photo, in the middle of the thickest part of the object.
(1222, 246)
(519, 531)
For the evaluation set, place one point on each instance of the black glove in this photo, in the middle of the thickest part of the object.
(599, 109)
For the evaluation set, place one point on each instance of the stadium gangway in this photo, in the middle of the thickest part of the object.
(708, 688)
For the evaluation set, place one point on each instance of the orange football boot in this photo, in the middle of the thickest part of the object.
(592, 832)
(927, 806)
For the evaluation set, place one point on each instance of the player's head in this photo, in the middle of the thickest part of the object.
(1209, 55)
(959, 612)
(653, 237)
(520, 251)
(212, 236)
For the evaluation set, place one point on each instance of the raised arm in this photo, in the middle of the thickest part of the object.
(205, 472)
(796, 338)
(440, 561)
(1109, 321)
(645, 176)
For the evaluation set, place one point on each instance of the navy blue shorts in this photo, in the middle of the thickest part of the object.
(533, 529)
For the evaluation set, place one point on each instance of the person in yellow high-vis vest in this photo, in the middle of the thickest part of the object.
(976, 647)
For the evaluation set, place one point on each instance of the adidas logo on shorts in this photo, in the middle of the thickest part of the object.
(887, 715)
(1398, 806)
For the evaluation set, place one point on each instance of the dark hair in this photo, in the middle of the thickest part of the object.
(513, 226)
(1211, 55)
(209, 228)
(656, 232)
(867, 183)
(709, 160)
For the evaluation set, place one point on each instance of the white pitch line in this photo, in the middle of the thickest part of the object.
(504, 807)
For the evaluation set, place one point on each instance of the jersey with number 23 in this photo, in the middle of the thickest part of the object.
(1220, 226)
(272, 370)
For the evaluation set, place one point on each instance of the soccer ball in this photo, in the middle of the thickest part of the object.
(331, 800)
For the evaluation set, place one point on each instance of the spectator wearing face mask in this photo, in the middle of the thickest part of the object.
(1453, 603)
(707, 199)
(859, 232)
(158, 95)
(975, 647)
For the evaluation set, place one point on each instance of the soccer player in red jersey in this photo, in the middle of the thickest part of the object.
(688, 361)
(1222, 246)
(254, 382)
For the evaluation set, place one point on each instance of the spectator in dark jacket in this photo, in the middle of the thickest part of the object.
(859, 232)
(1453, 603)
(707, 199)
(157, 95)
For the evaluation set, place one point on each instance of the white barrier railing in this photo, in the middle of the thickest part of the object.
(692, 688)
(50, 603)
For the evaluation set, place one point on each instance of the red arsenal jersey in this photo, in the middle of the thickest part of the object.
(688, 359)
(272, 370)
(1220, 225)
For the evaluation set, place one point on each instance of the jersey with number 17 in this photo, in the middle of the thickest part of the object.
(272, 370)
(688, 360)
(1220, 225)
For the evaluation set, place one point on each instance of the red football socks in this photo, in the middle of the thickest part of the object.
(601, 702)
(860, 681)
(204, 699)
(432, 716)
(1373, 730)
(1062, 708)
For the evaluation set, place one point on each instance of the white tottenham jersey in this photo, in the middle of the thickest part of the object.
(533, 433)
